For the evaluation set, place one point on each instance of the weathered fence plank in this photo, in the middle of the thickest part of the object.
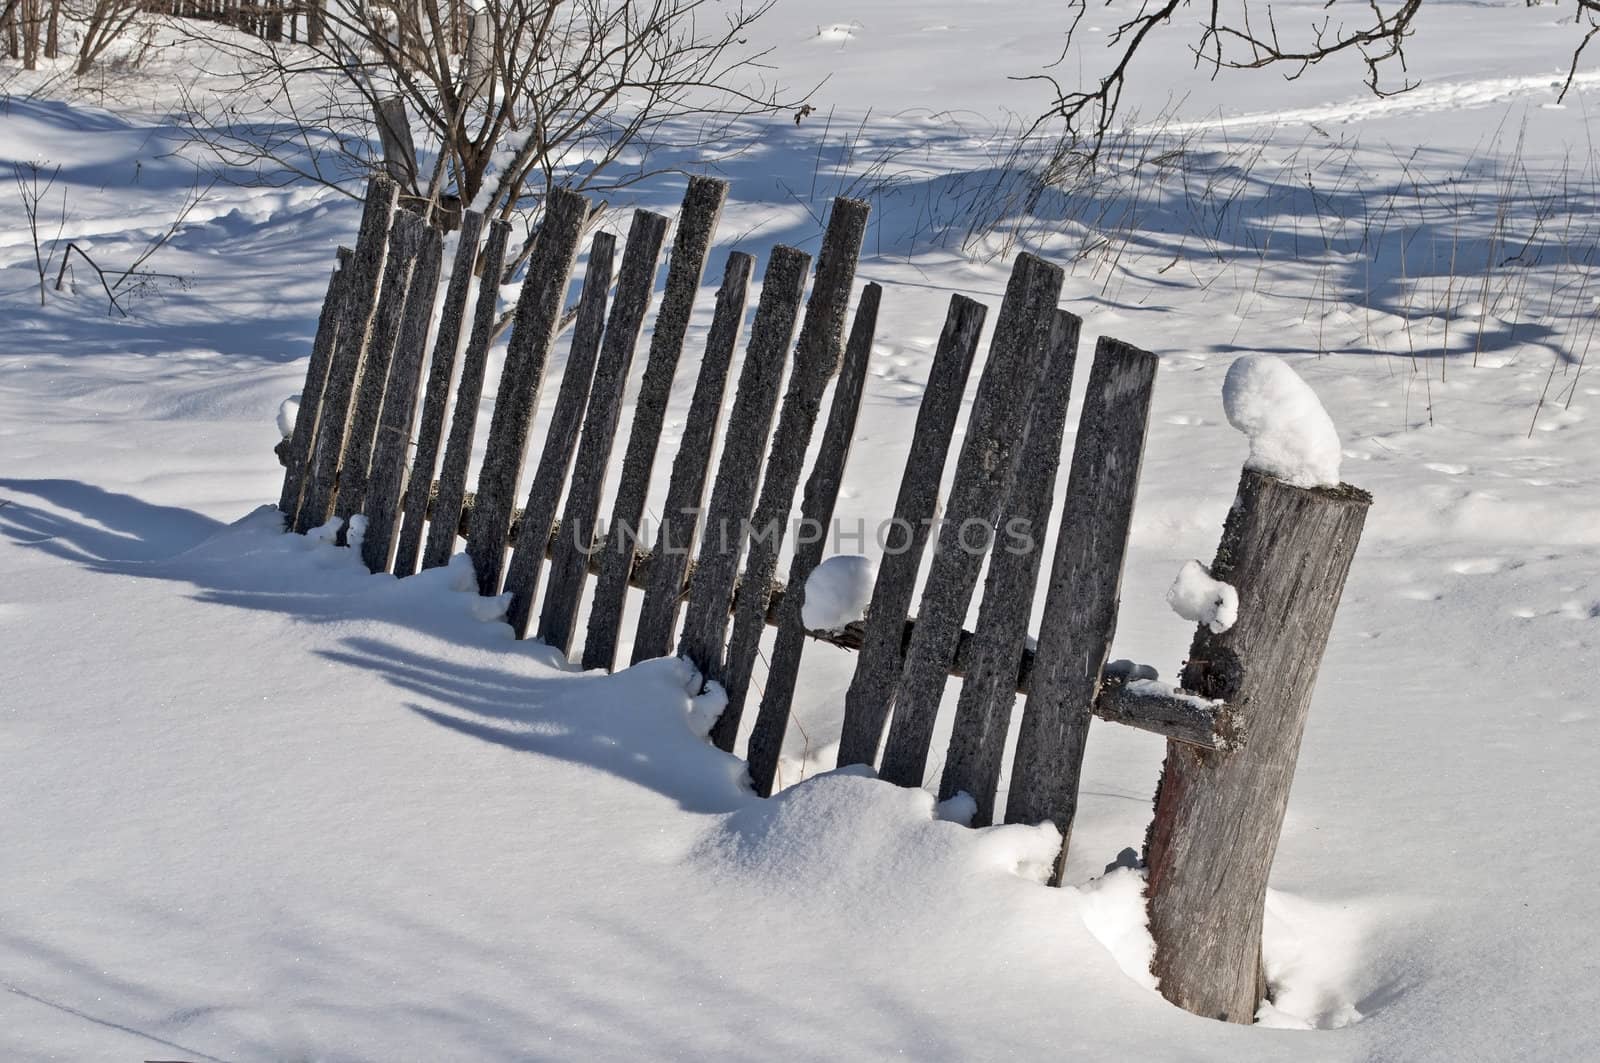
(816, 518)
(386, 481)
(569, 564)
(686, 493)
(297, 459)
(445, 511)
(441, 379)
(1287, 551)
(1080, 608)
(989, 691)
(533, 333)
(816, 360)
(866, 705)
(400, 266)
(716, 569)
(555, 460)
(983, 471)
(697, 223)
(362, 289)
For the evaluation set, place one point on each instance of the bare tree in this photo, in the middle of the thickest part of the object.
(1237, 36)
(488, 106)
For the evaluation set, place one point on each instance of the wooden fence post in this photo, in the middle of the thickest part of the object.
(716, 569)
(569, 565)
(361, 293)
(445, 523)
(533, 333)
(386, 482)
(866, 704)
(697, 223)
(691, 468)
(301, 441)
(441, 378)
(816, 514)
(983, 472)
(366, 404)
(1080, 607)
(816, 360)
(989, 690)
(1287, 551)
(561, 439)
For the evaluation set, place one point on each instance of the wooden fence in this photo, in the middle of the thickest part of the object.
(371, 438)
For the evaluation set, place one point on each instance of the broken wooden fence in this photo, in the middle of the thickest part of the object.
(359, 448)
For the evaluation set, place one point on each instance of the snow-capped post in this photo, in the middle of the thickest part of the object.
(1287, 551)
(988, 458)
(705, 624)
(366, 404)
(697, 224)
(386, 482)
(691, 467)
(561, 438)
(297, 456)
(441, 378)
(866, 705)
(989, 691)
(816, 360)
(444, 518)
(533, 333)
(362, 288)
(569, 564)
(1080, 607)
(816, 515)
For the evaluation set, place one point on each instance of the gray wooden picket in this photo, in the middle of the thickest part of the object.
(816, 516)
(303, 438)
(569, 564)
(444, 519)
(691, 468)
(697, 223)
(989, 689)
(983, 472)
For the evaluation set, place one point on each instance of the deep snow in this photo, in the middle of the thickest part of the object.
(262, 805)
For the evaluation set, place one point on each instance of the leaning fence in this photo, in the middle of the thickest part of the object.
(371, 442)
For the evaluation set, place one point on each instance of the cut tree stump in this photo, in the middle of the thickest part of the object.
(1287, 551)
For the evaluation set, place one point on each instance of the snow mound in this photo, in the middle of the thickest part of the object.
(1115, 913)
(1195, 596)
(837, 592)
(1291, 435)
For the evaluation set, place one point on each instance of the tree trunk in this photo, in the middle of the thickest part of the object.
(1287, 551)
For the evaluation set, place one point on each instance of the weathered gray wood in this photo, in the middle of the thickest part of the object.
(303, 438)
(816, 518)
(697, 223)
(866, 705)
(983, 473)
(569, 568)
(816, 360)
(362, 289)
(1176, 715)
(727, 522)
(533, 333)
(386, 480)
(988, 694)
(394, 137)
(1080, 608)
(448, 498)
(691, 468)
(366, 405)
(1287, 551)
(441, 380)
(561, 439)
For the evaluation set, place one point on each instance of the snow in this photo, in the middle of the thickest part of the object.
(287, 411)
(1291, 435)
(1196, 597)
(837, 592)
(261, 804)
